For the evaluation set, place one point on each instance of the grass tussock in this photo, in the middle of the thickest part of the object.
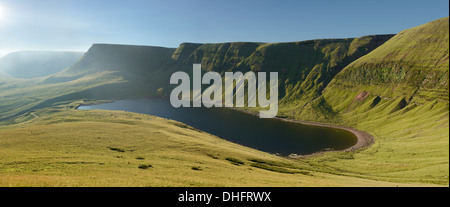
(235, 161)
(116, 149)
(144, 167)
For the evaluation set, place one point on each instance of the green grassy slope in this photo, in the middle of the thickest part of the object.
(66, 147)
(412, 65)
(398, 93)
(104, 72)
(118, 71)
(20, 97)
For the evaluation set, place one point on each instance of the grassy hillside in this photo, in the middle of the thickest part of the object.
(66, 147)
(399, 94)
(412, 65)
(395, 88)
(21, 97)
(104, 72)
(36, 64)
(118, 71)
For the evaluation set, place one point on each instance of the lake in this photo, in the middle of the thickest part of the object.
(269, 135)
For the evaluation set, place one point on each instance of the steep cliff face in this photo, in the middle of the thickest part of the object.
(185, 50)
(122, 58)
(140, 69)
(305, 68)
(221, 57)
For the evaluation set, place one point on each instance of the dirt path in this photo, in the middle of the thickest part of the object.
(35, 116)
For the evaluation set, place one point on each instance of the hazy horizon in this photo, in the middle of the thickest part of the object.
(76, 25)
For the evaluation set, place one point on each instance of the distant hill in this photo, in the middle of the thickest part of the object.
(3, 74)
(35, 64)
(122, 58)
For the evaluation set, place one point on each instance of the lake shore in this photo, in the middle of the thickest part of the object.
(364, 139)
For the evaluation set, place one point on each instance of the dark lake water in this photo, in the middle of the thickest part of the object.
(268, 135)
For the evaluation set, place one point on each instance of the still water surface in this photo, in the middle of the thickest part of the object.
(268, 135)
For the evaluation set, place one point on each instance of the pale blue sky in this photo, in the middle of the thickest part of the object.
(77, 24)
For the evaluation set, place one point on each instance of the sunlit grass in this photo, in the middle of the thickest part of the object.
(73, 148)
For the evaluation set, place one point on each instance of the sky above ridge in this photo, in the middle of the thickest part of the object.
(74, 25)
